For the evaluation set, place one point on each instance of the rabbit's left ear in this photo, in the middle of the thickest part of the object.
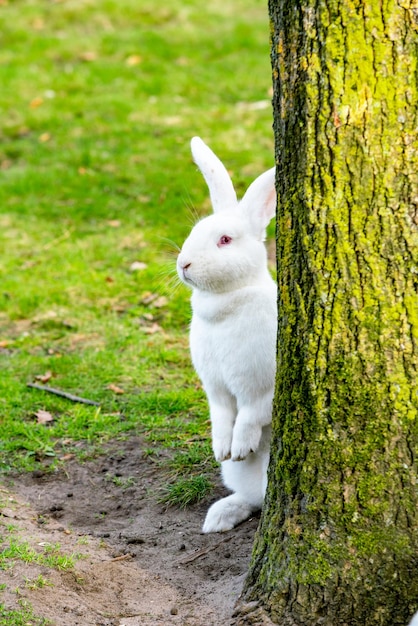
(259, 202)
(221, 189)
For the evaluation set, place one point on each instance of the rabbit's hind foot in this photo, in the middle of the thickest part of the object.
(226, 513)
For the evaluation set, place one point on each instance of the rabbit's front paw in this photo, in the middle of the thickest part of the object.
(245, 439)
(222, 448)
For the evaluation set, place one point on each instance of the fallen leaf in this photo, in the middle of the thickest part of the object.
(120, 308)
(160, 302)
(36, 102)
(153, 299)
(27, 265)
(137, 266)
(44, 137)
(38, 23)
(182, 61)
(88, 56)
(43, 417)
(44, 378)
(134, 59)
(4, 344)
(151, 330)
(115, 389)
(67, 457)
(171, 120)
(51, 351)
(114, 223)
(148, 297)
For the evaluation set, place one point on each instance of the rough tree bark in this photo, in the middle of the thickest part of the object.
(338, 537)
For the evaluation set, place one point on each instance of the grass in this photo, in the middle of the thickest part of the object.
(20, 617)
(37, 583)
(13, 549)
(186, 491)
(98, 103)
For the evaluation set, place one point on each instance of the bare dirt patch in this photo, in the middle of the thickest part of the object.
(142, 563)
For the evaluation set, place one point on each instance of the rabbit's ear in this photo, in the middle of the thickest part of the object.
(259, 202)
(221, 189)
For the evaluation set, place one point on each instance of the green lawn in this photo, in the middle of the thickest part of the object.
(99, 100)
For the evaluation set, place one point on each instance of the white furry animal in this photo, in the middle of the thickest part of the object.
(233, 331)
(414, 621)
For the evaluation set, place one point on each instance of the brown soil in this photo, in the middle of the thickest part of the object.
(143, 564)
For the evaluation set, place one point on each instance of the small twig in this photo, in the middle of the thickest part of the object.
(57, 240)
(122, 557)
(196, 555)
(63, 394)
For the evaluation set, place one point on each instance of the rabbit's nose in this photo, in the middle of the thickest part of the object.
(184, 269)
(183, 263)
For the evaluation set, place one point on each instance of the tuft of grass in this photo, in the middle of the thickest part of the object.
(37, 583)
(189, 475)
(124, 482)
(51, 556)
(186, 491)
(21, 617)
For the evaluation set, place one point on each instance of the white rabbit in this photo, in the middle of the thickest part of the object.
(233, 331)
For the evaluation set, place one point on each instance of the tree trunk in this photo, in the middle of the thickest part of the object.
(338, 537)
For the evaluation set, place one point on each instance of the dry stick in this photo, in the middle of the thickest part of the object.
(202, 552)
(63, 394)
(122, 557)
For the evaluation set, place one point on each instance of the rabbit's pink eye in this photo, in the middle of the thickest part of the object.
(224, 241)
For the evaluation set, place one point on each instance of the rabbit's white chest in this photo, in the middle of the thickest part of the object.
(215, 357)
(232, 342)
(210, 346)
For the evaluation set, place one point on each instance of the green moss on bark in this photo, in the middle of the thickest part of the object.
(338, 538)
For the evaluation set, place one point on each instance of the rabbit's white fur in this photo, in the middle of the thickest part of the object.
(233, 331)
(414, 621)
